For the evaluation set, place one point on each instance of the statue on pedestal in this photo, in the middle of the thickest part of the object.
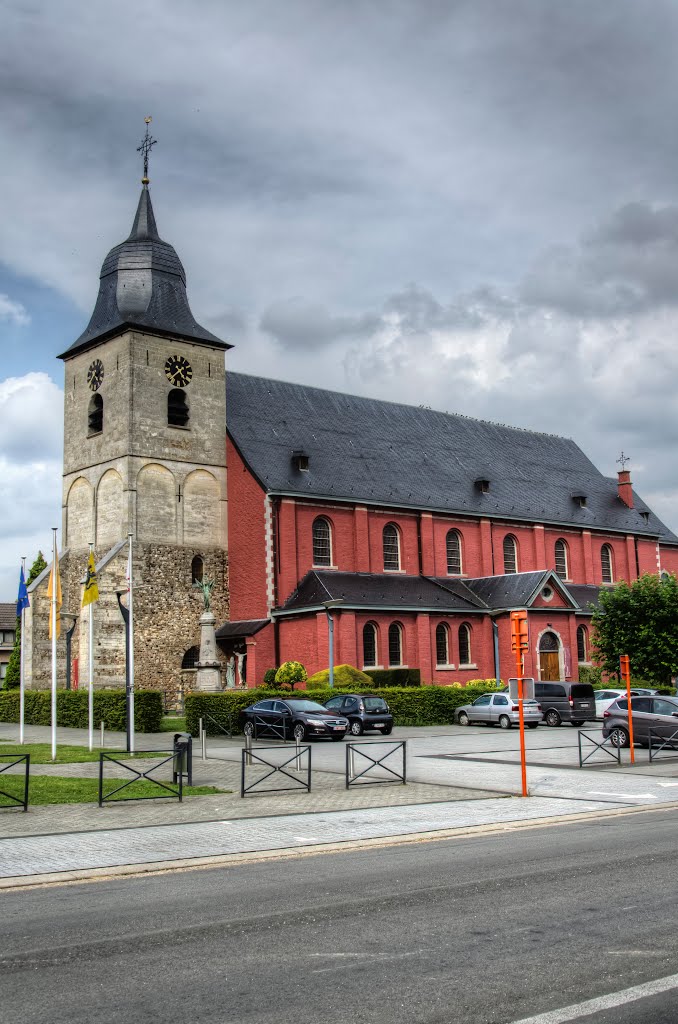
(208, 675)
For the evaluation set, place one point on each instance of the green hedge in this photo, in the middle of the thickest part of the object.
(109, 707)
(424, 705)
(394, 676)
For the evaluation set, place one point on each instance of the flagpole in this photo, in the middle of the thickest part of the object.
(53, 613)
(22, 678)
(130, 627)
(90, 695)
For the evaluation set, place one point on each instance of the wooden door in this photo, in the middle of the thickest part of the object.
(549, 666)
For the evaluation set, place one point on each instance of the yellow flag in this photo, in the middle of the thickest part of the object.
(91, 592)
(53, 589)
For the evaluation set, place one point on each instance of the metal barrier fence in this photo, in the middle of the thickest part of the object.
(227, 730)
(147, 776)
(612, 752)
(252, 757)
(273, 727)
(17, 759)
(354, 750)
(663, 741)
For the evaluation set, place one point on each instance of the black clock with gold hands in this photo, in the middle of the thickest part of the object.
(178, 371)
(95, 375)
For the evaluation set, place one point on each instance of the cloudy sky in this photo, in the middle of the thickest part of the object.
(466, 204)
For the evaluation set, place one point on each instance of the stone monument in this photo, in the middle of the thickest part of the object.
(208, 675)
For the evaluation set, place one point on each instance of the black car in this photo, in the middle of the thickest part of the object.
(292, 718)
(364, 711)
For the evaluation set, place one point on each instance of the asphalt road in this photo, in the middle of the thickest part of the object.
(480, 930)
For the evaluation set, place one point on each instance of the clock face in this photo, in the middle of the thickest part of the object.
(95, 375)
(178, 371)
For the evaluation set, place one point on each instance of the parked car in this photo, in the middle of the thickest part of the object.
(293, 718)
(604, 698)
(364, 711)
(499, 709)
(566, 702)
(659, 714)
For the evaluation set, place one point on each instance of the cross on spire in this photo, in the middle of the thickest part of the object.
(145, 148)
(622, 460)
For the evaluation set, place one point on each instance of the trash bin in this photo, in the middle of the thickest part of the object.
(183, 757)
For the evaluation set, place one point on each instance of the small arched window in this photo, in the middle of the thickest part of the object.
(191, 658)
(453, 553)
(177, 408)
(510, 554)
(197, 569)
(95, 415)
(582, 643)
(322, 541)
(442, 644)
(464, 644)
(395, 644)
(369, 645)
(606, 563)
(391, 539)
(562, 562)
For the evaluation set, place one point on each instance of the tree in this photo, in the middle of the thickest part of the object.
(13, 675)
(639, 619)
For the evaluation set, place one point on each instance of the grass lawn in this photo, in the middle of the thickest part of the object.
(49, 790)
(41, 753)
(173, 723)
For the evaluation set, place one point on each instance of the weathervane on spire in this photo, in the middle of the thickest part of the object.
(145, 148)
(622, 460)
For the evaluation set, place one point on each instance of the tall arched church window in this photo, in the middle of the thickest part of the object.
(95, 415)
(369, 645)
(391, 540)
(322, 542)
(582, 643)
(442, 644)
(177, 408)
(395, 644)
(453, 553)
(510, 554)
(561, 553)
(464, 644)
(197, 569)
(606, 564)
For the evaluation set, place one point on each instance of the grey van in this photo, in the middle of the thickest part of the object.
(566, 702)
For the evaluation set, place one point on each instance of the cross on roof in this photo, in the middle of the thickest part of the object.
(623, 459)
(145, 148)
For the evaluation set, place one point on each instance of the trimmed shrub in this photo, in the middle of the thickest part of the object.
(291, 672)
(394, 676)
(344, 675)
(109, 708)
(269, 676)
(592, 674)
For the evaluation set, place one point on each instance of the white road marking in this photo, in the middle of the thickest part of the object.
(625, 796)
(627, 995)
(667, 783)
(304, 839)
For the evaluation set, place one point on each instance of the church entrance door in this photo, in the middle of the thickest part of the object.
(549, 659)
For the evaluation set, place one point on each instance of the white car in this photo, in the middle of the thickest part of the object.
(606, 697)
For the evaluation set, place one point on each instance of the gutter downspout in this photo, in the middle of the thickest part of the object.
(495, 641)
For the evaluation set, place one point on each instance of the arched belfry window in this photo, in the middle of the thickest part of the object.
(177, 408)
(442, 644)
(197, 569)
(453, 553)
(391, 540)
(322, 541)
(464, 644)
(582, 643)
(510, 554)
(561, 554)
(395, 644)
(369, 645)
(606, 564)
(95, 415)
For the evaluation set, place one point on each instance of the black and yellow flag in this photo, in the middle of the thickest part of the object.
(91, 592)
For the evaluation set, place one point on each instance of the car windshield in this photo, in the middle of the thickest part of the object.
(375, 703)
(304, 705)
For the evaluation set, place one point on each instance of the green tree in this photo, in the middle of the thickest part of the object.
(639, 619)
(13, 675)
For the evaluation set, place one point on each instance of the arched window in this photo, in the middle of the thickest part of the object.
(510, 554)
(197, 569)
(177, 408)
(606, 563)
(191, 657)
(562, 565)
(453, 553)
(369, 645)
(582, 643)
(395, 644)
(95, 415)
(464, 644)
(391, 538)
(322, 541)
(548, 644)
(442, 644)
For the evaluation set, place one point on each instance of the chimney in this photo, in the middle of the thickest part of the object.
(624, 488)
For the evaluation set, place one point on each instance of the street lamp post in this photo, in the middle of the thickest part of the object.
(329, 606)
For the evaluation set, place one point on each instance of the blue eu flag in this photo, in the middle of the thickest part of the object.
(22, 600)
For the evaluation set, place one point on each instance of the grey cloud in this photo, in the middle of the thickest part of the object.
(296, 323)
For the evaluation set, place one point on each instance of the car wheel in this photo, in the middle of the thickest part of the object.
(299, 732)
(463, 718)
(578, 723)
(532, 725)
(356, 727)
(504, 722)
(388, 730)
(619, 737)
(552, 717)
(248, 729)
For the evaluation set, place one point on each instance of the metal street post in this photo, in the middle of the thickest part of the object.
(125, 618)
(519, 643)
(625, 668)
(328, 606)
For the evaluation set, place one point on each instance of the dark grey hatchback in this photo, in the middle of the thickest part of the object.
(364, 711)
(655, 719)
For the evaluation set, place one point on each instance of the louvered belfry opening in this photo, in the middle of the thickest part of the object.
(177, 408)
(95, 415)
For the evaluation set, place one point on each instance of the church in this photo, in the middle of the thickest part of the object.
(414, 533)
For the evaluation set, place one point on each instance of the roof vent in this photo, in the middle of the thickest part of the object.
(579, 499)
(646, 515)
(300, 460)
(482, 485)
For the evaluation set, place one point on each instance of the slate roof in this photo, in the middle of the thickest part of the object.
(513, 590)
(384, 453)
(143, 284)
(585, 594)
(243, 627)
(7, 615)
